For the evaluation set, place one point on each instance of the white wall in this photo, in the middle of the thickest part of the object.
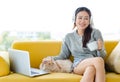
(56, 16)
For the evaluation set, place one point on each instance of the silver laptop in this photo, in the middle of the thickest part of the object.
(20, 63)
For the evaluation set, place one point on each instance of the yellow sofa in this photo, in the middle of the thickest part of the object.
(40, 49)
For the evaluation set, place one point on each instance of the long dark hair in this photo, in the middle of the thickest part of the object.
(88, 30)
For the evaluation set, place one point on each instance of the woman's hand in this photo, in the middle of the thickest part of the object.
(100, 44)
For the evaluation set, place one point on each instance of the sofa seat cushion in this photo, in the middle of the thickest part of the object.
(112, 77)
(53, 77)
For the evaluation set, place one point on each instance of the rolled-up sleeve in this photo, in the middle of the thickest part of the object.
(98, 35)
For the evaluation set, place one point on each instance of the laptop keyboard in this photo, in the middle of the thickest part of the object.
(32, 72)
(37, 71)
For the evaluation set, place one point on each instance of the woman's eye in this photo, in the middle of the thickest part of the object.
(80, 18)
(86, 18)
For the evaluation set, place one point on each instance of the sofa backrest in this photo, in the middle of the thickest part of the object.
(40, 49)
(109, 46)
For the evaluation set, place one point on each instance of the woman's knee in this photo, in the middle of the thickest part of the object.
(99, 61)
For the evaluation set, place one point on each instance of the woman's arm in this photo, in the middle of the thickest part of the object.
(101, 49)
(65, 52)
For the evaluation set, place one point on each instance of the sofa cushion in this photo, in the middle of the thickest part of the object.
(52, 77)
(4, 67)
(113, 61)
(5, 56)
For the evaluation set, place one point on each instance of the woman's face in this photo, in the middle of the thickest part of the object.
(82, 20)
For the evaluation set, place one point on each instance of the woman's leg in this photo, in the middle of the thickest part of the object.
(89, 74)
(97, 63)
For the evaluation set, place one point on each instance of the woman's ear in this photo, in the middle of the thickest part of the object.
(74, 25)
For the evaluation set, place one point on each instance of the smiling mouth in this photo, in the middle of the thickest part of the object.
(82, 25)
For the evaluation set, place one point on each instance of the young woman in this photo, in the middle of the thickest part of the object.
(88, 63)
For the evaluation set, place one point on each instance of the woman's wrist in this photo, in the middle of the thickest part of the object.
(100, 49)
